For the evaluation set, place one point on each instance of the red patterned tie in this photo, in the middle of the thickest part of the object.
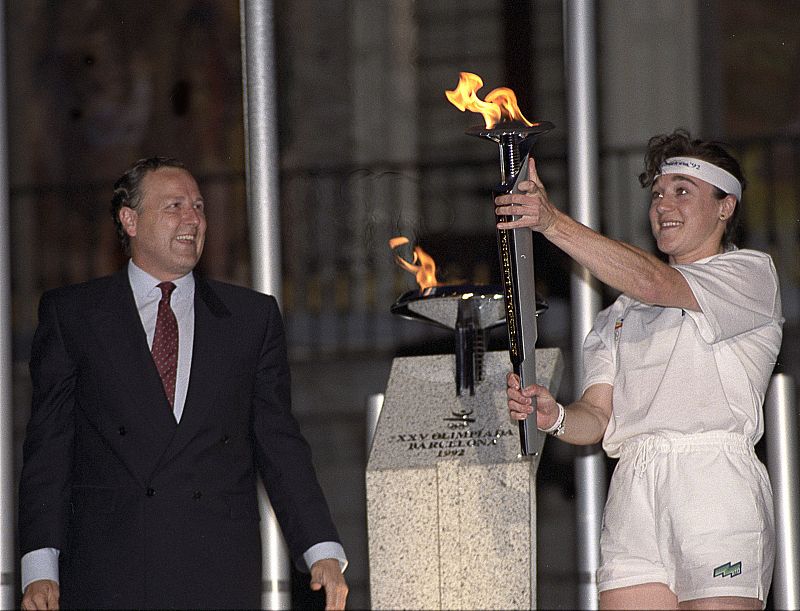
(165, 342)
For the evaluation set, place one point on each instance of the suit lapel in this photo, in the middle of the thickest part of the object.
(119, 328)
(122, 334)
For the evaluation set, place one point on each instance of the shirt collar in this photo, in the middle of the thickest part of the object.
(145, 287)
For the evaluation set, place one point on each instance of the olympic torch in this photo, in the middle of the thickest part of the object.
(515, 135)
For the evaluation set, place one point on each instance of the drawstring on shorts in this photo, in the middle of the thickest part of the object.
(645, 448)
(645, 452)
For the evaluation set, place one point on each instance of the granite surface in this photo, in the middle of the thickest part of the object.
(451, 504)
(423, 422)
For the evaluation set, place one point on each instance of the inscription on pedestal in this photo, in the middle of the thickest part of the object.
(451, 443)
(427, 422)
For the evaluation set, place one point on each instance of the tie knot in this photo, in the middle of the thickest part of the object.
(166, 290)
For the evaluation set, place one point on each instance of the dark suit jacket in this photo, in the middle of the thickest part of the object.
(148, 512)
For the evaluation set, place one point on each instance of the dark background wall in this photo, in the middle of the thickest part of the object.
(369, 149)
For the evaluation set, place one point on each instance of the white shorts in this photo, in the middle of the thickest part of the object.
(693, 512)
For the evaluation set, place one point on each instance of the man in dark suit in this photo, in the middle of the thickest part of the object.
(157, 397)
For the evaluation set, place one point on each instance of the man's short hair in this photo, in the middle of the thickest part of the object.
(128, 190)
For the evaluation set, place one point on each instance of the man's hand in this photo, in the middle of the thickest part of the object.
(328, 574)
(41, 594)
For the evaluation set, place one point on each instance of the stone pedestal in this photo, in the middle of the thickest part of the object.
(451, 503)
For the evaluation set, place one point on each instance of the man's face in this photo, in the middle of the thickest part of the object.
(168, 230)
(685, 217)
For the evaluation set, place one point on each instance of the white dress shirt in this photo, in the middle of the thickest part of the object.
(147, 295)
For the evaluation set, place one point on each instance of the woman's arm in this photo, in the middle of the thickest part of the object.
(628, 269)
(585, 420)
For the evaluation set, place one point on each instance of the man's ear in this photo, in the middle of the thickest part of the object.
(128, 217)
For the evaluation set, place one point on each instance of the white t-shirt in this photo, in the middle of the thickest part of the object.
(678, 372)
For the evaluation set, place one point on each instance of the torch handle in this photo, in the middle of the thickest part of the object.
(519, 285)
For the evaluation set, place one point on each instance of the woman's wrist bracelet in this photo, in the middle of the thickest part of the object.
(557, 428)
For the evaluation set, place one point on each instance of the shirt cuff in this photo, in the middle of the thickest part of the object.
(326, 549)
(39, 564)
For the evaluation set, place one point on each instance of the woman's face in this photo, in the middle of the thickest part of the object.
(686, 219)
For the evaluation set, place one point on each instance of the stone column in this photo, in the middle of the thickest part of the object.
(451, 504)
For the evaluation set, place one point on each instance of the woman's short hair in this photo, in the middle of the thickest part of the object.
(680, 144)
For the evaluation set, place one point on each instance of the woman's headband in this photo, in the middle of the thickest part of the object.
(712, 174)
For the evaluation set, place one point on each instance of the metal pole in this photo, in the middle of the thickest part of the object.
(261, 143)
(374, 407)
(7, 496)
(782, 459)
(261, 154)
(590, 474)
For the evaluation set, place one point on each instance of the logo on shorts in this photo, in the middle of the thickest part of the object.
(728, 570)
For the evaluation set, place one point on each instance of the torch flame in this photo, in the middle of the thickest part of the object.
(498, 105)
(422, 265)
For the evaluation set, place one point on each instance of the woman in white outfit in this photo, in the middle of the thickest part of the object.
(675, 375)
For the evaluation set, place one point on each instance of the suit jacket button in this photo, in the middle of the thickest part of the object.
(150, 492)
(122, 430)
(225, 439)
(197, 494)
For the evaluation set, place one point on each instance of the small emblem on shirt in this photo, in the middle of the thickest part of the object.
(728, 570)
(618, 328)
